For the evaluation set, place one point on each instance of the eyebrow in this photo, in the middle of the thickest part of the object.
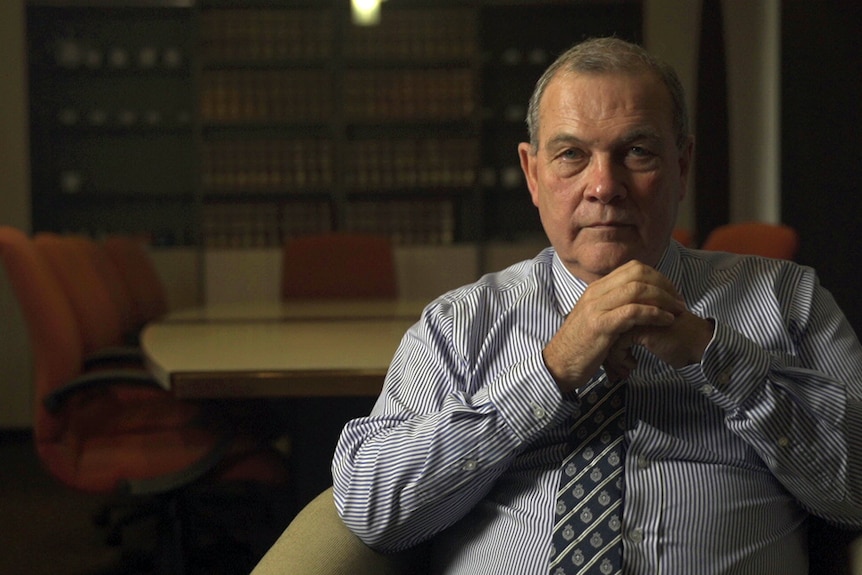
(637, 134)
(644, 133)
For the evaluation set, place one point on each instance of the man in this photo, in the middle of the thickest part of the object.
(742, 378)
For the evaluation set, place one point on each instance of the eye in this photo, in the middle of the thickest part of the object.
(639, 152)
(571, 154)
(569, 161)
(640, 158)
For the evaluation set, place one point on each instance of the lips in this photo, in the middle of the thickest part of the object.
(608, 225)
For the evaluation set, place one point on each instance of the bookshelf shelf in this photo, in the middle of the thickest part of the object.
(227, 123)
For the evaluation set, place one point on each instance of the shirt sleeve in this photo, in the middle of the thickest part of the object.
(445, 427)
(801, 411)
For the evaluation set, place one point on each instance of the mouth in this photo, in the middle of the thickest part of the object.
(607, 225)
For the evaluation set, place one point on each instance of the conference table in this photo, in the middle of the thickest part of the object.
(304, 368)
(277, 349)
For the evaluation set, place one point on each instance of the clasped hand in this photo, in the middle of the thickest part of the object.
(633, 305)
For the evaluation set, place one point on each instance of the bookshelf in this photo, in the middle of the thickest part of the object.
(112, 120)
(221, 123)
(335, 126)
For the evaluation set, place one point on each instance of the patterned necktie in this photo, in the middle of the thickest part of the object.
(587, 535)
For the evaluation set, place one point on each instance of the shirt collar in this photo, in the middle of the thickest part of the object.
(568, 289)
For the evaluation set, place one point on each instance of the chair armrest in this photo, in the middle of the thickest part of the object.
(186, 476)
(854, 551)
(55, 400)
(114, 357)
(318, 543)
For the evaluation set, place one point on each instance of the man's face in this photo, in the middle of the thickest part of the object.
(607, 177)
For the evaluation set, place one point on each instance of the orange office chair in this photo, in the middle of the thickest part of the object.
(92, 437)
(754, 238)
(338, 266)
(103, 314)
(684, 236)
(142, 279)
(121, 295)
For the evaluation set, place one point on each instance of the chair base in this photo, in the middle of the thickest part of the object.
(222, 529)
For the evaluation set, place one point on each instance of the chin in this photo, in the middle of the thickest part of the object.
(597, 258)
(590, 271)
(611, 256)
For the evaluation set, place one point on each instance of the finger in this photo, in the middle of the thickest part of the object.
(620, 360)
(640, 284)
(616, 375)
(633, 316)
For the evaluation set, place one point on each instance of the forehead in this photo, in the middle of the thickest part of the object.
(583, 101)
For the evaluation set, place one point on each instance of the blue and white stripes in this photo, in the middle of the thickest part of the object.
(724, 458)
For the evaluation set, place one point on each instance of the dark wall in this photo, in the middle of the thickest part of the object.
(821, 140)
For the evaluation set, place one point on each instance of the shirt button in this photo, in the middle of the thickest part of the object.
(724, 377)
(707, 389)
(783, 442)
(539, 411)
(637, 536)
(643, 462)
(470, 465)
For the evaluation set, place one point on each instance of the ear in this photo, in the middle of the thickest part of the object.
(685, 158)
(529, 162)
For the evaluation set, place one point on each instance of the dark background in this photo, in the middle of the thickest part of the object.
(821, 159)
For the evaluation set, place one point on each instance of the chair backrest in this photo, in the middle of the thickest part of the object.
(71, 260)
(51, 325)
(142, 279)
(754, 238)
(113, 280)
(338, 266)
(684, 236)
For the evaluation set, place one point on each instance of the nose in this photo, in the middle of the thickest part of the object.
(603, 182)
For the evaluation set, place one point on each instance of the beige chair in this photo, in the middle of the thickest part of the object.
(317, 543)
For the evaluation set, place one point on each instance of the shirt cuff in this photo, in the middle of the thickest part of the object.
(528, 398)
(733, 368)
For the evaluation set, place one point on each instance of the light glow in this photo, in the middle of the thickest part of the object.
(365, 12)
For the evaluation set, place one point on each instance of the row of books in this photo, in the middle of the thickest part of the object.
(411, 163)
(269, 224)
(284, 35)
(260, 225)
(406, 222)
(430, 35)
(307, 95)
(432, 94)
(229, 96)
(267, 165)
(265, 34)
(279, 165)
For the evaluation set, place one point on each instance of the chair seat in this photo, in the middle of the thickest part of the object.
(129, 411)
(102, 463)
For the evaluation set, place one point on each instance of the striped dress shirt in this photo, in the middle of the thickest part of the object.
(725, 458)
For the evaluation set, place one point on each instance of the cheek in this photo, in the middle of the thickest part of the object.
(558, 204)
(653, 192)
(560, 191)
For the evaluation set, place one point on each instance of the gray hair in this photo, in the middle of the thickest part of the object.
(609, 55)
